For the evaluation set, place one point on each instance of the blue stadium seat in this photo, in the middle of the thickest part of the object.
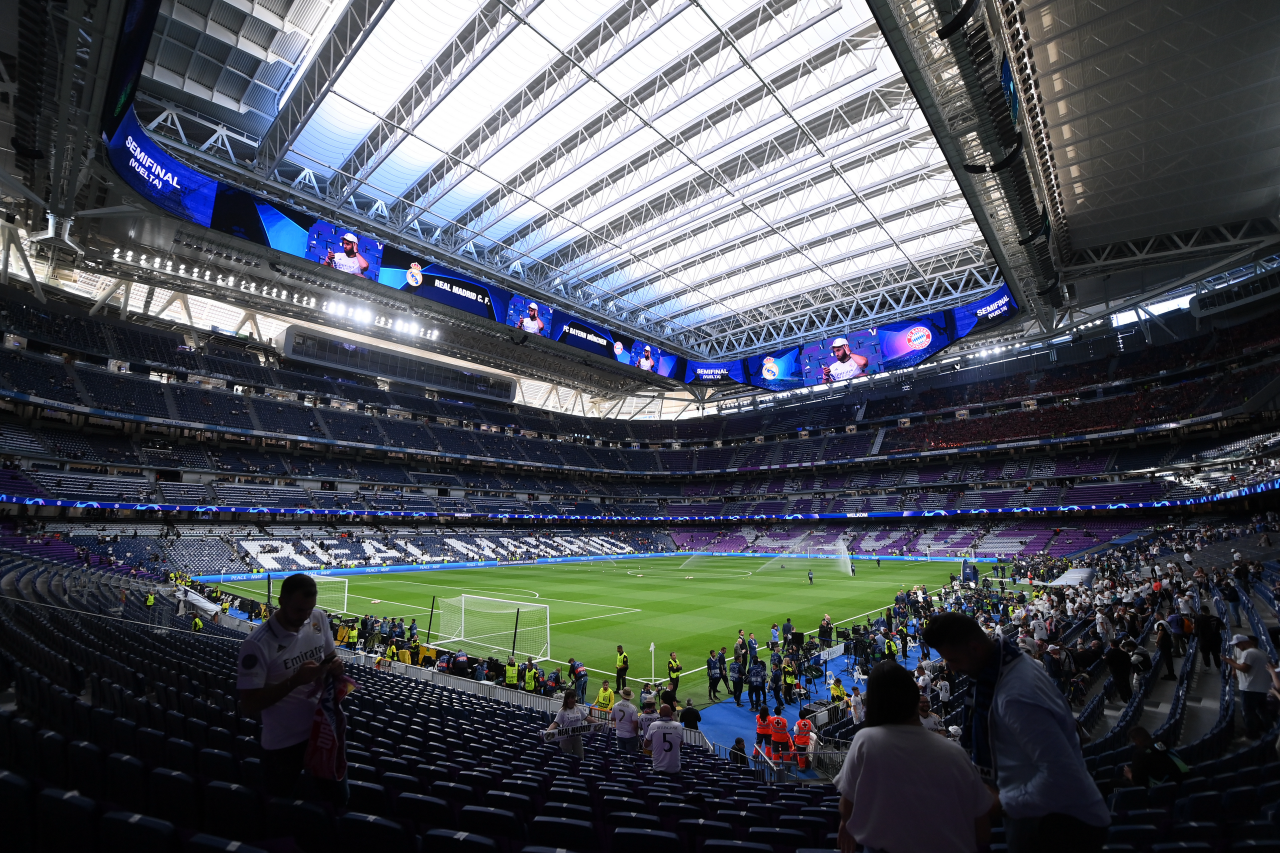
(572, 811)
(814, 827)
(368, 798)
(217, 766)
(1141, 836)
(67, 821)
(357, 831)
(575, 796)
(578, 835)
(1196, 831)
(126, 832)
(699, 830)
(150, 744)
(769, 811)
(637, 820)
(1256, 846)
(781, 840)
(174, 797)
(425, 812)
(449, 841)
(1240, 804)
(400, 783)
(251, 773)
(1202, 806)
(51, 750)
(1124, 800)
(180, 755)
(15, 811)
(233, 810)
(719, 845)
(637, 840)
(498, 824)
(24, 753)
(126, 781)
(205, 843)
(1256, 830)
(454, 794)
(513, 802)
(85, 765)
(362, 773)
(312, 828)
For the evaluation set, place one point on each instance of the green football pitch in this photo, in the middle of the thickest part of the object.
(686, 604)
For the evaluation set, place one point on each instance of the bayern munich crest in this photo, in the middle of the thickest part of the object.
(918, 337)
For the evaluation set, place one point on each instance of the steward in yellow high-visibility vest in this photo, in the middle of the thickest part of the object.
(624, 663)
(511, 674)
(604, 699)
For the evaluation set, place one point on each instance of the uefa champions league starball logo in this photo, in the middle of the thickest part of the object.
(918, 337)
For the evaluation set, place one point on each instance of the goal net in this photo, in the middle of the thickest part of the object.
(494, 625)
(331, 594)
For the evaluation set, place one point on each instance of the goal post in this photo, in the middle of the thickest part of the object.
(331, 594)
(495, 625)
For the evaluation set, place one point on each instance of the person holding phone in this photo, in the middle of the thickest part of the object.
(279, 666)
(349, 259)
(847, 364)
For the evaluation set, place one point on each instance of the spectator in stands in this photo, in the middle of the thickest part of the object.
(1231, 596)
(626, 723)
(1020, 731)
(571, 717)
(1253, 681)
(1208, 630)
(1121, 670)
(1164, 645)
(273, 683)
(1152, 764)
(893, 753)
(663, 740)
(929, 721)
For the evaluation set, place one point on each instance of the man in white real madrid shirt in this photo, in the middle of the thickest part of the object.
(532, 324)
(646, 360)
(663, 739)
(847, 365)
(349, 259)
(278, 664)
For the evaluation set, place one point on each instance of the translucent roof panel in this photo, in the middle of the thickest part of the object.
(673, 165)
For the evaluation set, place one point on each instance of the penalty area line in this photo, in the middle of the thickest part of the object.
(621, 612)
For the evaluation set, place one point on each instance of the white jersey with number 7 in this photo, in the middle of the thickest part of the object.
(665, 738)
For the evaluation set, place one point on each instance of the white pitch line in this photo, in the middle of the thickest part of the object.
(623, 612)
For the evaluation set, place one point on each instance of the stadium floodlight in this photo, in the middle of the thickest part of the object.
(331, 594)
(495, 626)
